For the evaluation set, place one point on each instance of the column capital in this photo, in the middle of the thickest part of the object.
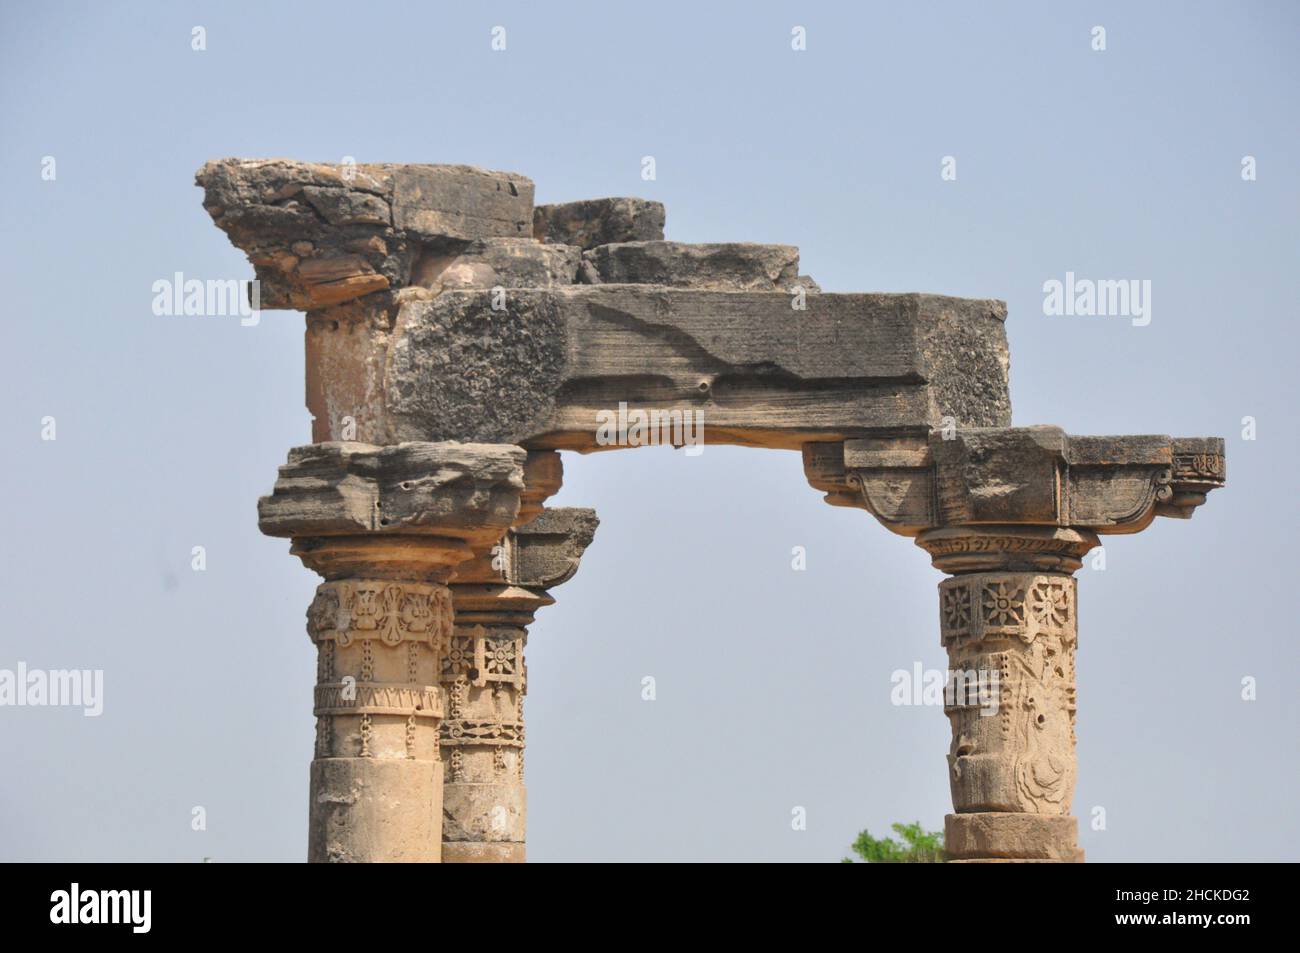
(990, 547)
(411, 511)
(1036, 495)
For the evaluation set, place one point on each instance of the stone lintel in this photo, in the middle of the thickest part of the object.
(541, 372)
(403, 270)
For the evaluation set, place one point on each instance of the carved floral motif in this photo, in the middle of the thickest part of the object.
(1003, 604)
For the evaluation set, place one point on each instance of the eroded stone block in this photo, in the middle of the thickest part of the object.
(733, 266)
(593, 222)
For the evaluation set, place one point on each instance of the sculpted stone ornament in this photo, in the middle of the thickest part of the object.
(466, 336)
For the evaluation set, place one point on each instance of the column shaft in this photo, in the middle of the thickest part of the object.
(484, 677)
(376, 779)
(1011, 638)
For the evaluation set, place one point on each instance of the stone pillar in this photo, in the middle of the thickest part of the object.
(386, 527)
(1009, 513)
(376, 778)
(1008, 618)
(485, 679)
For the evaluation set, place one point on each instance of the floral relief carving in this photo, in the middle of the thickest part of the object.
(1004, 604)
(956, 607)
(1050, 603)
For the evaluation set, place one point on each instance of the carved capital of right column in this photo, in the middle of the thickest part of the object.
(386, 527)
(1038, 476)
(1009, 514)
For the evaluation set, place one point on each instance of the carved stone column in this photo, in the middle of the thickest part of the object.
(485, 678)
(1009, 621)
(1009, 513)
(386, 527)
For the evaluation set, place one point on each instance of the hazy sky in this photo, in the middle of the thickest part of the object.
(773, 685)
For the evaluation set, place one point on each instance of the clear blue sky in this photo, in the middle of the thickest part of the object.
(773, 685)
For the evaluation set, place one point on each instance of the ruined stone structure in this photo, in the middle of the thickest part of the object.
(458, 337)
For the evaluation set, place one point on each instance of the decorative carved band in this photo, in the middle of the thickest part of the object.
(388, 611)
(481, 658)
(1207, 466)
(379, 698)
(499, 733)
(996, 606)
(1198, 468)
(962, 549)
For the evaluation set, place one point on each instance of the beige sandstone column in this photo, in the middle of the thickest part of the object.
(386, 527)
(485, 679)
(1009, 621)
(1008, 513)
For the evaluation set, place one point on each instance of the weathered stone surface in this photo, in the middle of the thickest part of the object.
(386, 527)
(367, 810)
(762, 373)
(1012, 636)
(593, 222)
(1198, 468)
(485, 678)
(459, 491)
(1022, 475)
(733, 266)
(898, 402)
(998, 836)
(504, 262)
(319, 235)
(377, 776)
(549, 549)
(434, 202)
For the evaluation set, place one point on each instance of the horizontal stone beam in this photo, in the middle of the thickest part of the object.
(543, 370)
(440, 307)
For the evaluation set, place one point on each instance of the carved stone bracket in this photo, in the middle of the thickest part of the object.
(1009, 475)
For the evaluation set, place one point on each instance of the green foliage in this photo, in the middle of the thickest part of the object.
(918, 847)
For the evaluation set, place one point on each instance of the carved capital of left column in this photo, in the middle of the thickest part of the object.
(386, 527)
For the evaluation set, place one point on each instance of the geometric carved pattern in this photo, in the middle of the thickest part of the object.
(979, 606)
(956, 611)
(377, 698)
(482, 659)
(388, 611)
(482, 671)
